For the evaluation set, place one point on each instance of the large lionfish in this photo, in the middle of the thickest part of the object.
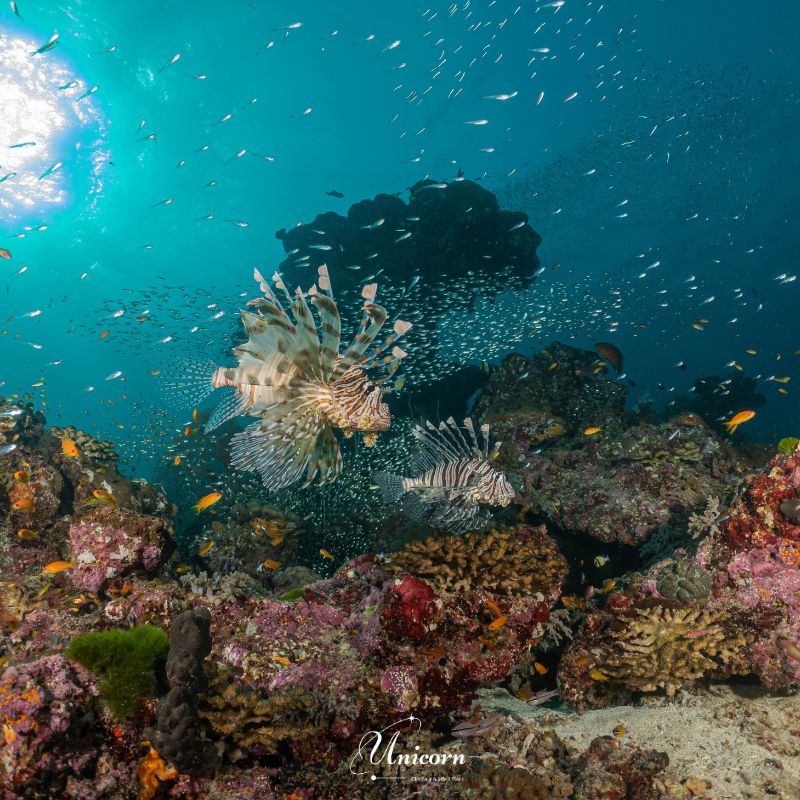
(457, 478)
(299, 386)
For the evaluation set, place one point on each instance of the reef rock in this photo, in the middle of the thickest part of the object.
(106, 543)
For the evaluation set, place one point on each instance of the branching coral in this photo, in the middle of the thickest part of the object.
(127, 662)
(659, 646)
(520, 561)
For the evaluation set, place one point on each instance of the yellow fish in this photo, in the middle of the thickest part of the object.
(27, 533)
(618, 730)
(596, 675)
(177, 461)
(325, 553)
(540, 668)
(102, 496)
(498, 623)
(592, 431)
(21, 476)
(181, 569)
(206, 548)
(69, 448)
(734, 422)
(697, 327)
(784, 379)
(601, 561)
(751, 352)
(781, 390)
(25, 504)
(282, 660)
(206, 502)
(54, 567)
(271, 564)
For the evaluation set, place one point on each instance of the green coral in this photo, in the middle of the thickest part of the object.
(128, 663)
(788, 444)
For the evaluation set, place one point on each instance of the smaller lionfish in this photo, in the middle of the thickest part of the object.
(292, 378)
(457, 478)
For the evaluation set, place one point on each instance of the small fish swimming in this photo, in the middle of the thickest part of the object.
(457, 482)
(734, 422)
(293, 379)
(48, 45)
(69, 448)
(54, 567)
(207, 501)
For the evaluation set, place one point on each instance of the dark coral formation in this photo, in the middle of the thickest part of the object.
(176, 735)
(455, 231)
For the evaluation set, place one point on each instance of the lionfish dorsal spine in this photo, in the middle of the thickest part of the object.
(476, 448)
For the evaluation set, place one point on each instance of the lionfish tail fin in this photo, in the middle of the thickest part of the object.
(190, 384)
(391, 486)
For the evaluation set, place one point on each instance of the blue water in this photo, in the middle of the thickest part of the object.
(709, 192)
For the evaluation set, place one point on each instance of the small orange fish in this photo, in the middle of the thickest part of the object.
(116, 732)
(282, 660)
(68, 448)
(596, 675)
(592, 431)
(102, 496)
(498, 623)
(103, 335)
(54, 567)
(494, 608)
(177, 461)
(206, 548)
(618, 730)
(271, 564)
(206, 502)
(5, 253)
(432, 653)
(27, 533)
(734, 422)
(24, 504)
(21, 476)
(540, 668)
(195, 415)
(325, 553)
(608, 585)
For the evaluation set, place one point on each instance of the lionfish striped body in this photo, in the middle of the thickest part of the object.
(457, 481)
(292, 378)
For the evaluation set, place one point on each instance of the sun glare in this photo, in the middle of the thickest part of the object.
(41, 109)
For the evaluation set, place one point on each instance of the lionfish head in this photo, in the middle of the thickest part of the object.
(496, 490)
(358, 404)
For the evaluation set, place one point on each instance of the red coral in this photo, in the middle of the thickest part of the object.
(412, 609)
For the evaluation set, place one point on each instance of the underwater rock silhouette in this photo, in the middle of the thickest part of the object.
(454, 230)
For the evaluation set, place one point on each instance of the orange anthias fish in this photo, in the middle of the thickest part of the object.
(54, 567)
(592, 431)
(69, 448)
(206, 502)
(271, 564)
(206, 548)
(734, 422)
(498, 623)
(21, 476)
(102, 496)
(326, 554)
(24, 504)
(27, 533)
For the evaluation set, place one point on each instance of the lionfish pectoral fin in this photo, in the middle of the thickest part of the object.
(326, 460)
(190, 382)
(231, 406)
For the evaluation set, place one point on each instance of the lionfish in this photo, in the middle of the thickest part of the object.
(457, 478)
(293, 378)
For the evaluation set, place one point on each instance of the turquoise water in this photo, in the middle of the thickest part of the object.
(675, 152)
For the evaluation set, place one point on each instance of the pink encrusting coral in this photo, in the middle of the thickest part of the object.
(106, 543)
